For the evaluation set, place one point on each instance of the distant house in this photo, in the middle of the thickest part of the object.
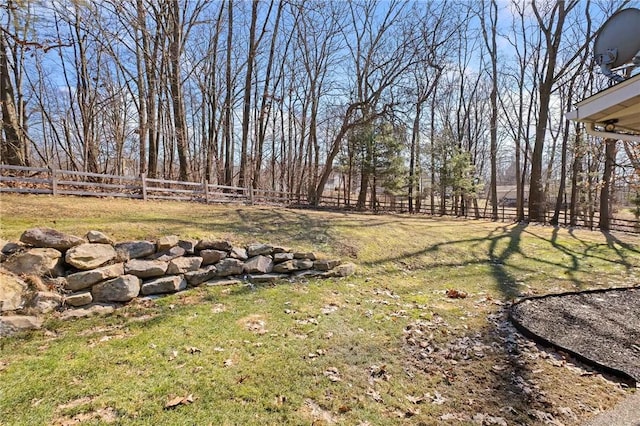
(507, 195)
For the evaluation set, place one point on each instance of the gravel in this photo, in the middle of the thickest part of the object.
(601, 327)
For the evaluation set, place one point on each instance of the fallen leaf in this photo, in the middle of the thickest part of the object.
(415, 399)
(438, 399)
(218, 308)
(456, 294)
(193, 350)
(329, 309)
(333, 374)
(375, 395)
(486, 419)
(174, 355)
(379, 373)
(454, 416)
(179, 400)
(228, 362)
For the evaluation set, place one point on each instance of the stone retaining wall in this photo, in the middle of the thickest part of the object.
(49, 270)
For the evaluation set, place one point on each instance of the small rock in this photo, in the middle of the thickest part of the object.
(267, 278)
(239, 253)
(259, 249)
(37, 261)
(310, 273)
(223, 282)
(56, 283)
(209, 257)
(282, 257)
(164, 285)
(12, 291)
(16, 323)
(259, 264)
(49, 238)
(169, 254)
(182, 265)
(79, 299)
(343, 270)
(281, 249)
(97, 309)
(166, 243)
(121, 289)
(85, 279)
(293, 265)
(8, 247)
(214, 245)
(189, 246)
(325, 265)
(195, 278)
(135, 249)
(227, 267)
(98, 238)
(307, 255)
(46, 301)
(90, 255)
(146, 268)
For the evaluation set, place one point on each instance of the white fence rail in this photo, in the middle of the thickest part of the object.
(38, 180)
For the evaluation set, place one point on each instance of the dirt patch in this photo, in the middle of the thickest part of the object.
(254, 323)
(504, 377)
(599, 327)
(103, 415)
(318, 415)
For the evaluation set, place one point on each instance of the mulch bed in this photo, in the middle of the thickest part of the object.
(599, 327)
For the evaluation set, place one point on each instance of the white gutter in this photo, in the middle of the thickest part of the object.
(593, 131)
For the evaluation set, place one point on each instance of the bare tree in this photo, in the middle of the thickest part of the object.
(489, 36)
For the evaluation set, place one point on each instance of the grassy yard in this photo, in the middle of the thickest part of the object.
(385, 346)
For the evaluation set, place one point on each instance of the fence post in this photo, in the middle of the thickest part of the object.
(54, 182)
(205, 185)
(143, 178)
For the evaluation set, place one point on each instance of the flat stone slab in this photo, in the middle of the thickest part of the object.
(16, 323)
(600, 327)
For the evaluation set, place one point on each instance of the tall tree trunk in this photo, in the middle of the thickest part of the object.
(552, 37)
(266, 103)
(576, 170)
(142, 89)
(13, 148)
(175, 86)
(414, 156)
(607, 178)
(228, 102)
(490, 42)
(248, 83)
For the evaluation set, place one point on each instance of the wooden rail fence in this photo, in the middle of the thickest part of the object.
(42, 180)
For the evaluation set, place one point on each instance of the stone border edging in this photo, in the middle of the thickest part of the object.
(49, 270)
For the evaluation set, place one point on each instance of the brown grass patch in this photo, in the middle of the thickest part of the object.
(254, 323)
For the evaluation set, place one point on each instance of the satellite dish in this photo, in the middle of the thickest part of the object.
(618, 42)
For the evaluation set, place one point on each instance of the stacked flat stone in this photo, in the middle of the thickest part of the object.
(95, 269)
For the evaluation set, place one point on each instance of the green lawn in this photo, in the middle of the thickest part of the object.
(333, 351)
